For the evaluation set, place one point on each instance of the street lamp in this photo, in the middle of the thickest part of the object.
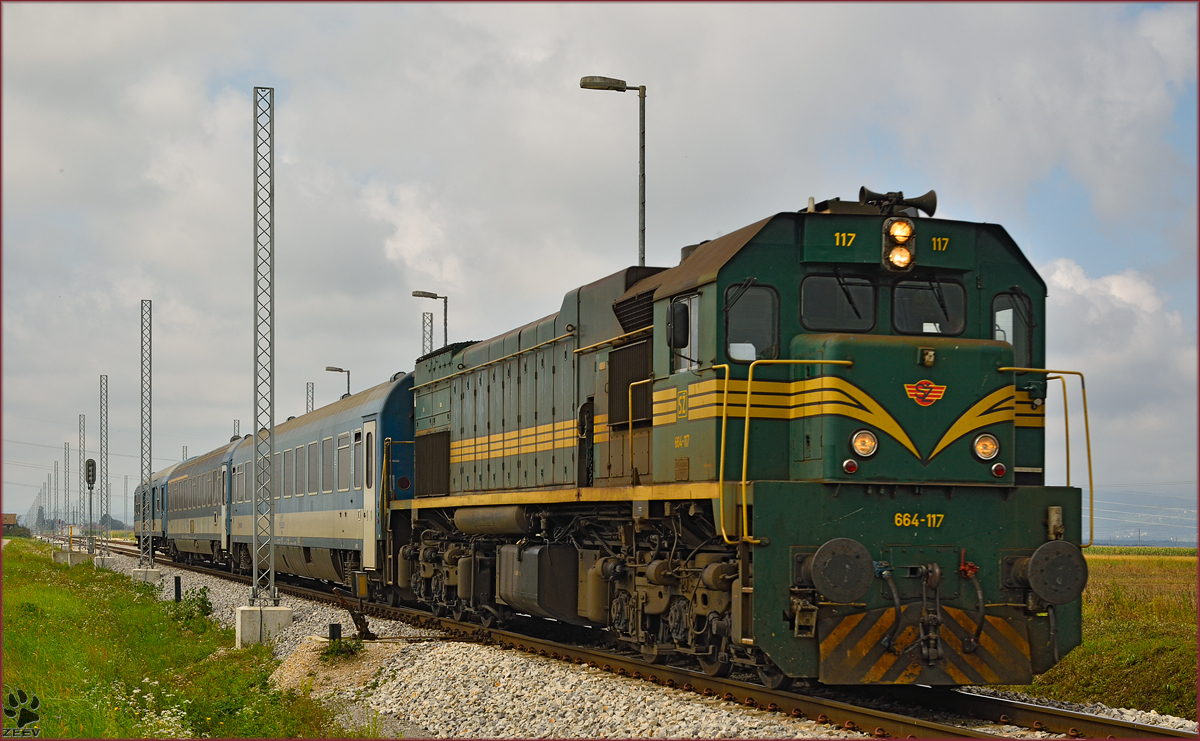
(609, 83)
(445, 302)
(331, 369)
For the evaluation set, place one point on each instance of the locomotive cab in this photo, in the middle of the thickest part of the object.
(887, 455)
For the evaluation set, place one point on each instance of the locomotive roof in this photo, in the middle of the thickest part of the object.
(706, 259)
(700, 267)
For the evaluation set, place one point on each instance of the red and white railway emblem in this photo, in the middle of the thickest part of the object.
(924, 392)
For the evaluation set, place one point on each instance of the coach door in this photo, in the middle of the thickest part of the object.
(370, 496)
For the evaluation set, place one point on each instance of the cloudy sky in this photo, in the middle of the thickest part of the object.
(449, 148)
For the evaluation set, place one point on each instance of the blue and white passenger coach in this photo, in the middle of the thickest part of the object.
(335, 471)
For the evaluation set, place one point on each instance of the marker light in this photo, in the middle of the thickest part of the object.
(864, 443)
(901, 231)
(850, 465)
(986, 447)
(998, 470)
(900, 257)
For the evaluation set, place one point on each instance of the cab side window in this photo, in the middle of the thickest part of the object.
(688, 357)
(1012, 322)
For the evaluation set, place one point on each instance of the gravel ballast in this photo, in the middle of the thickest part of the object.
(436, 689)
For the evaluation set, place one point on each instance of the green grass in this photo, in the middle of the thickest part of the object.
(109, 660)
(340, 649)
(1128, 550)
(1139, 636)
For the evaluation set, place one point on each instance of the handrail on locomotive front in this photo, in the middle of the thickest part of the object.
(1087, 437)
(746, 433)
(1066, 423)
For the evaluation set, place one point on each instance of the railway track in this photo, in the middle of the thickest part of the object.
(989, 711)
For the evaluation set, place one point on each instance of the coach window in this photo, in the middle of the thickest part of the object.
(314, 466)
(300, 469)
(688, 358)
(276, 476)
(837, 303)
(343, 462)
(928, 307)
(327, 465)
(288, 462)
(751, 322)
(1012, 322)
(358, 459)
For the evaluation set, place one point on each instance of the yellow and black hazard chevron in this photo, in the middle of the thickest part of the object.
(853, 651)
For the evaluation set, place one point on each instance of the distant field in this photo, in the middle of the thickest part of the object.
(1139, 634)
(1125, 550)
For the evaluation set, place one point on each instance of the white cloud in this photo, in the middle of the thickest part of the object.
(1140, 362)
(418, 240)
(449, 148)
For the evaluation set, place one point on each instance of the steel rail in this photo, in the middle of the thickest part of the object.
(1027, 715)
(844, 715)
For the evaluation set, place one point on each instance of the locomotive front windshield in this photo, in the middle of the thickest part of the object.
(928, 307)
(751, 322)
(837, 303)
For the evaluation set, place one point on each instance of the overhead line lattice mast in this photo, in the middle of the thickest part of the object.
(145, 551)
(263, 530)
(82, 455)
(105, 510)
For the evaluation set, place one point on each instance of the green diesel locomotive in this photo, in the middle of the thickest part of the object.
(814, 448)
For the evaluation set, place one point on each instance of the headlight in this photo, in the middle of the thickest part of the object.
(899, 244)
(986, 447)
(901, 231)
(900, 257)
(864, 443)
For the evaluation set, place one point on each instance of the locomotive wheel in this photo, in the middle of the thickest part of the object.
(713, 667)
(773, 678)
(458, 612)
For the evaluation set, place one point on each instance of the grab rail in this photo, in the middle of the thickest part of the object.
(1087, 436)
(1066, 423)
(721, 468)
(629, 409)
(746, 429)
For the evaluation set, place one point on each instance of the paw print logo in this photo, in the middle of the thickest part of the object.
(22, 708)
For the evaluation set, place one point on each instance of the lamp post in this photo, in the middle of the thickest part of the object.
(608, 83)
(331, 369)
(445, 302)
